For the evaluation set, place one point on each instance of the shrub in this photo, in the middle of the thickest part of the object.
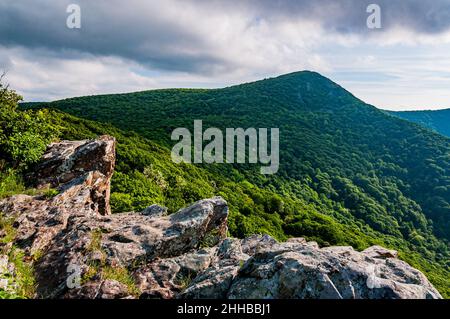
(24, 135)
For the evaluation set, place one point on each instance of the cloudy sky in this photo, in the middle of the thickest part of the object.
(134, 45)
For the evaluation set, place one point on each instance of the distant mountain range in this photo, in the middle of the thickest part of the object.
(350, 174)
(438, 121)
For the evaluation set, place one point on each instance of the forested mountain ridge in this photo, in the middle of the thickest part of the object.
(328, 139)
(349, 173)
(438, 121)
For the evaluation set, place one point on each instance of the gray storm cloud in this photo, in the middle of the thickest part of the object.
(348, 16)
(131, 30)
(180, 36)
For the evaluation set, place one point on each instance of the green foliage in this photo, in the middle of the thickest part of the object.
(184, 280)
(24, 135)
(121, 202)
(11, 183)
(320, 228)
(210, 239)
(96, 241)
(121, 275)
(23, 280)
(50, 193)
(6, 225)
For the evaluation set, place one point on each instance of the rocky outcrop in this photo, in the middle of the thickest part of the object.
(67, 160)
(85, 252)
(78, 161)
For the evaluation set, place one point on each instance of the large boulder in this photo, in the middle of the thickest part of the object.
(71, 162)
(66, 160)
(80, 250)
(261, 268)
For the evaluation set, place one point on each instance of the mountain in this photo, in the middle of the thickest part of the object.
(349, 173)
(438, 121)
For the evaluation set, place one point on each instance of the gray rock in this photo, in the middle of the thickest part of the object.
(380, 252)
(154, 211)
(308, 272)
(71, 160)
(106, 289)
(112, 289)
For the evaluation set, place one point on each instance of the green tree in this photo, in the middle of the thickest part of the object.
(24, 135)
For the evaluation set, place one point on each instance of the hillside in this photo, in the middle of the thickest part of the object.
(438, 121)
(349, 173)
(327, 136)
(185, 255)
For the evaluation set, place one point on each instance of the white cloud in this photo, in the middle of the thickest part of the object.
(39, 77)
(141, 45)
